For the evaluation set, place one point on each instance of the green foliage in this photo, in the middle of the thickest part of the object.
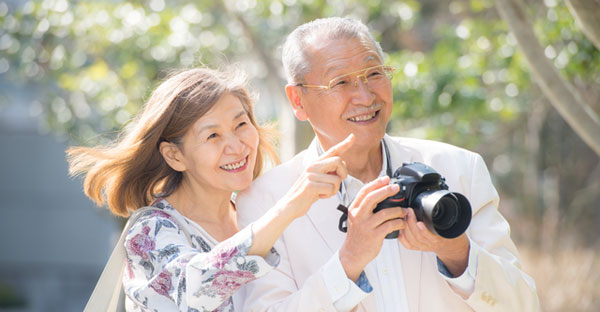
(460, 77)
(96, 62)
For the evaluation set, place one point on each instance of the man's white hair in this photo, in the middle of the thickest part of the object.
(295, 55)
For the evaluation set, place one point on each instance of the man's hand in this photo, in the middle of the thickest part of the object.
(454, 253)
(366, 230)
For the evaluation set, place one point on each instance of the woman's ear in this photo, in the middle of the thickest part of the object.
(296, 101)
(172, 155)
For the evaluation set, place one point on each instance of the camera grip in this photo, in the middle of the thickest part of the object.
(393, 235)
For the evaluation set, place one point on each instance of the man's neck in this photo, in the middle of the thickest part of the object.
(364, 166)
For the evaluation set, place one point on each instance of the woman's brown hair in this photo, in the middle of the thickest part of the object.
(130, 172)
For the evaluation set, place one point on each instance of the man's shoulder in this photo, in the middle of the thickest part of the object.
(428, 147)
(267, 189)
(277, 179)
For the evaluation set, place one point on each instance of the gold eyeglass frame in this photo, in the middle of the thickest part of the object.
(388, 70)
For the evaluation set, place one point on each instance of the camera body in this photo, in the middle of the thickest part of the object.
(445, 213)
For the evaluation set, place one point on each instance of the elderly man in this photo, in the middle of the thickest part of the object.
(339, 84)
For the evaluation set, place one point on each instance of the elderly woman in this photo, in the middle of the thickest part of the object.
(193, 145)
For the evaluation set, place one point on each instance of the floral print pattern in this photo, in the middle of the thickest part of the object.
(141, 243)
(227, 282)
(167, 272)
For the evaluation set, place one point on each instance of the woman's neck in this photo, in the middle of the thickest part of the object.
(201, 205)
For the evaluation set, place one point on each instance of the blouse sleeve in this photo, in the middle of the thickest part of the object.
(163, 270)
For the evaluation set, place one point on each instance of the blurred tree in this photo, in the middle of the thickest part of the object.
(587, 13)
(566, 99)
(460, 77)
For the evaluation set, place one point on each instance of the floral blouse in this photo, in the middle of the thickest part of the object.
(164, 273)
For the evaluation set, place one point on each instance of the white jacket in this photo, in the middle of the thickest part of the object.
(297, 284)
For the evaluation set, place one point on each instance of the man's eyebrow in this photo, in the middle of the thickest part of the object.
(332, 69)
(370, 58)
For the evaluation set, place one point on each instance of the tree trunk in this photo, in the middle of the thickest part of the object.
(587, 13)
(294, 134)
(564, 97)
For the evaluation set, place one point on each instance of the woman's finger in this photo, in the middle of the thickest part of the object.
(340, 148)
(332, 165)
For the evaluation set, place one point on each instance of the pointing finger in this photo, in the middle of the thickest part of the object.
(339, 148)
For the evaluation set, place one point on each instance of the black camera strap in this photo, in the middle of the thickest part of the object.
(345, 202)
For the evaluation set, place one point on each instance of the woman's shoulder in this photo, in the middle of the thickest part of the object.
(158, 218)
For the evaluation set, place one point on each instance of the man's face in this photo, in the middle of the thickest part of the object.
(357, 108)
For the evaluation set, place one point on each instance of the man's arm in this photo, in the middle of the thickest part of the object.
(481, 265)
(500, 283)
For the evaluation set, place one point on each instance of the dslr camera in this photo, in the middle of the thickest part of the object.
(446, 213)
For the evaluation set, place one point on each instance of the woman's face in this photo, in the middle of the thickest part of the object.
(219, 150)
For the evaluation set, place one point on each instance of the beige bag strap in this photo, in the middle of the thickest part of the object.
(108, 294)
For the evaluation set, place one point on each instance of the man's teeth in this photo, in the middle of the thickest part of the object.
(234, 165)
(363, 117)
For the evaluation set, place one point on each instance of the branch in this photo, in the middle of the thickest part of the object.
(587, 14)
(563, 96)
(289, 126)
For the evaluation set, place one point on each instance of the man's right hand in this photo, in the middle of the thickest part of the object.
(367, 230)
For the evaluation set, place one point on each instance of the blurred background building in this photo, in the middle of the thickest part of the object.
(54, 241)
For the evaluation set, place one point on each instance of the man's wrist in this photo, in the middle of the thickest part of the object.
(455, 257)
(350, 265)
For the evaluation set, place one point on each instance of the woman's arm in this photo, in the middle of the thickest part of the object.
(320, 180)
(164, 272)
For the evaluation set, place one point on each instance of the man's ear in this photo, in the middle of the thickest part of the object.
(295, 99)
(172, 155)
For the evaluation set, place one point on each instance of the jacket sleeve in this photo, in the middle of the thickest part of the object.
(163, 270)
(500, 284)
(278, 290)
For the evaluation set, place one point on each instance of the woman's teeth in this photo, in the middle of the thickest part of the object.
(234, 165)
(363, 117)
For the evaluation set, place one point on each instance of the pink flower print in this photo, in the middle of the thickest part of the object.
(162, 284)
(141, 243)
(161, 214)
(129, 269)
(226, 283)
(222, 257)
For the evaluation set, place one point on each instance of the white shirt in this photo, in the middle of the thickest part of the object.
(389, 290)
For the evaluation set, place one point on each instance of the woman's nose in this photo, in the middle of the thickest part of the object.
(234, 144)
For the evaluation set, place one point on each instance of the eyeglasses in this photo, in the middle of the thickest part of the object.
(373, 77)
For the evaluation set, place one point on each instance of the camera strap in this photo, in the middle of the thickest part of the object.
(345, 200)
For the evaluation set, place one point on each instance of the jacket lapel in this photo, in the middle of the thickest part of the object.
(411, 259)
(324, 214)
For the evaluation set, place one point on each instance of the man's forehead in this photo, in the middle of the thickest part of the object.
(334, 54)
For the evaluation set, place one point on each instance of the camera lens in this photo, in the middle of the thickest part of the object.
(445, 213)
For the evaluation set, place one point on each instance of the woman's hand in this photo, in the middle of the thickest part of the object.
(319, 180)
